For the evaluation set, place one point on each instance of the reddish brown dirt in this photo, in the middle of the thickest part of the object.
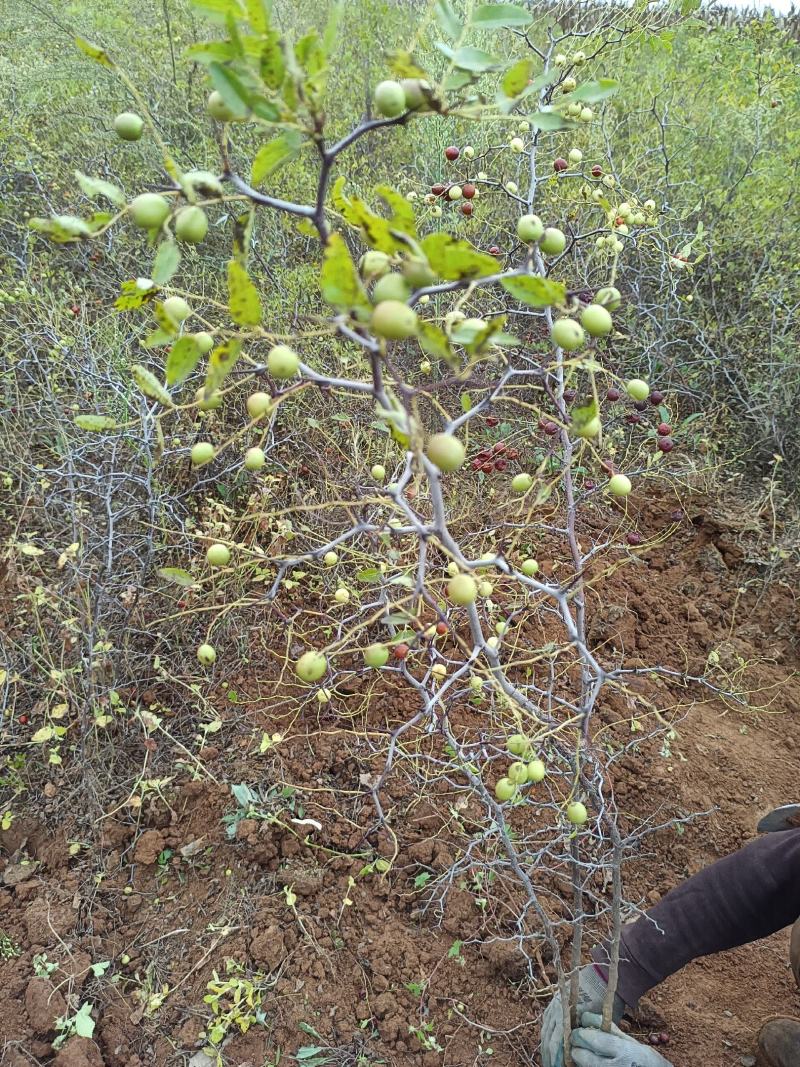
(165, 894)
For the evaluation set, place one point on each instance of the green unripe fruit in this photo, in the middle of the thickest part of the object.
(455, 192)
(552, 241)
(128, 126)
(376, 655)
(418, 273)
(446, 451)
(536, 770)
(177, 308)
(575, 155)
(518, 773)
(282, 362)
(529, 568)
(378, 472)
(505, 790)
(393, 320)
(218, 109)
(149, 210)
(191, 224)
(374, 264)
(311, 666)
(211, 404)
(586, 114)
(258, 404)
(619, 485)
(341, 596)
(589, 429)
(415, 90)
(568, 334)
(202, 453)
(596, 320)
(517, 744)
(391, 287)
(577, 813)
(530, 228)
(330, 559)
(202, 181)
(485, 588)
(637, 389)
(462, 589)
(206, 654)
(254, 458)
(204, 341)
(390, 99)
(521, 483)
(218, 555)
(610, 297)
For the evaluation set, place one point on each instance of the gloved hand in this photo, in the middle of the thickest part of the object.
(591, 1047)
(591, 993)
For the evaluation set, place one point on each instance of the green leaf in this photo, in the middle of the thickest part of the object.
(244, 302)
(331, 31)
(83, 1021)
(456, 260)
(476, 339)
(474, 60)
(340, 281)
(516, 78)
(551, 120)
(95, 423)
(535, 291)
(273, 61)
(274, 154)
(94, 52)
(433, 340)
(93, 187)
(449, 22)
(218, 10)
(177, 575)
(182, 359)
(498, 16)
(592, 92)
(231, 89)
(43, 735)
(212, 52)
(258, 13)
(150, 385)
(61, 228)
(466, 402)
(220, 362)
(371, 574)
(157, 339)
(167, 261)
(455, 950)
(401, 208)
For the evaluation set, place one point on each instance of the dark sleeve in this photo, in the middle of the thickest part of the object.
(745, 896)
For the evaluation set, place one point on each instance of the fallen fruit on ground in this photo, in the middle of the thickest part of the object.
(206, 654)
(311, 666)
(218, 555)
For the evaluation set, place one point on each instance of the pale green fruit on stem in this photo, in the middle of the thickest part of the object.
(518, 773)
(536, 770)
(282, 362)
(485, 589)
(596, 320)
(211, 404)
(390, 99)
(619, 485)
(589, 429)
(258, 404)
(521, 483)
(577, 813)
(586, 114)
(453, 569)
(418, 272)
(128, 126)
(191, 224)
(374, 264)
(177, 308)
(575, 155)
(462, 589)
(530, 228)
(568, 334)
(376, 655)
(445, 451)
(529, 568)
(254, 458)
(206, 654)
(455, 192)
(552, 241)
(393, 320)
(202, 453)
(149, 210)
(637, 389)
(391, 287)
(609, 297)
(218, 109)
(505, 790)
(311, 666)
(425, 366)
(417, 92)
(516, 144)
(517, 744)
(218, 555)
(378, 472)
(204, 341)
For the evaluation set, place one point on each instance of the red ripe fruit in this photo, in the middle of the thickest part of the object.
(23, 719)
(619, 221)
(666, 444)
(452, 153)
(441, 628)
(487, 468)
(437, 189)
(551, 428)
(664, 429)
(467, 208)
(484, 454)
(500, 447)
(491, 420)
(500, 465)
(494, 251)
(634, 419)
(589, 484)
(664, 1036)
(597, 171)
(655, 398)
(640, 405)
(468, 191)
(513, 453)
(569, 395)
(560, 164)
(613, 394)
(401, 651)
(633, 538)
(476, 464)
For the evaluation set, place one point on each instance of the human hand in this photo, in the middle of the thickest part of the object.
(591, 993)
(593, 1047)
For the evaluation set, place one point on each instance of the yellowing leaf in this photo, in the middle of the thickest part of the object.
(454, 259)
(535, 291)
(95, 423)
(30, 550)
(244, 302)
(220, 362)
(150, 385)
(340, 282)
(94, 52)
(43, 735)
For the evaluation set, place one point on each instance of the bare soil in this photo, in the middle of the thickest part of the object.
(167, 895)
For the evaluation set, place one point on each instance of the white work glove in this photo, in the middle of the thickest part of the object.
(592, 1047)
(591, 994)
